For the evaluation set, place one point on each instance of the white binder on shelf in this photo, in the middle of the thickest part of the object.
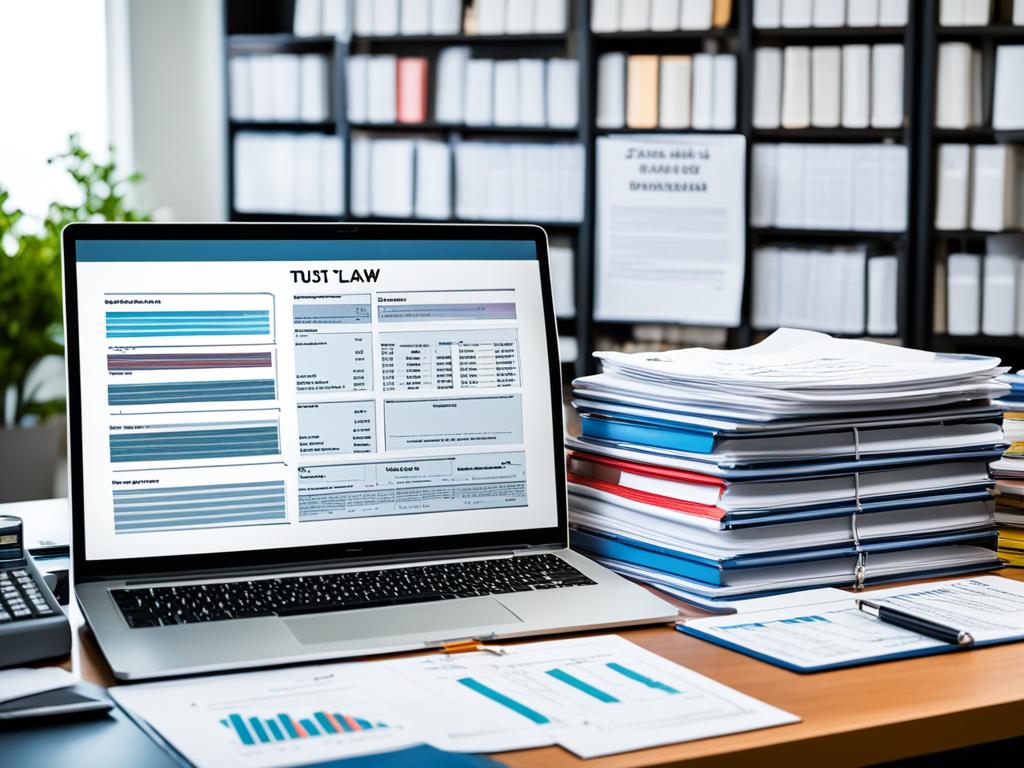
(674, 94)
(829, 13)
(703, 90)
(963, 294)
(562, 93)
(856, 86)
(723, 116)
(953, 184)
(478, 107)
(887, 85)
(826, 86)
(611, 90)
(999, 287)
(767, 88)
(797, 14)
(883, 280)
(796, 86)
(381, 89)
(433, 180)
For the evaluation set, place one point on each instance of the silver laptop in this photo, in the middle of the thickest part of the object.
(292, 442)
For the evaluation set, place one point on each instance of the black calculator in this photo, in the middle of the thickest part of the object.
(32, 624)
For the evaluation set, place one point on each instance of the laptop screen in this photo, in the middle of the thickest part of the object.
(245, 395)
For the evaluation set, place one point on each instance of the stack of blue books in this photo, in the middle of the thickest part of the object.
(803, 461)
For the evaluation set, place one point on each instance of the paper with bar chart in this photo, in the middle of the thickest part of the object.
(594, 696)
(286, 717)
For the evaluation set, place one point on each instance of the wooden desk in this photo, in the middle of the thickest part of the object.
(851, 717)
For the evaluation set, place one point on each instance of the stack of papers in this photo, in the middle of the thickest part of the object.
(1009, 474)
(799, 462)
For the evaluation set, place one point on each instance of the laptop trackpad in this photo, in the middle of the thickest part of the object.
(424, 619)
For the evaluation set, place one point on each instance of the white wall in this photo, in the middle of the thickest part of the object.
(176, 112)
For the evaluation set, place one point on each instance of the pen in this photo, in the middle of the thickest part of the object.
(926, 627)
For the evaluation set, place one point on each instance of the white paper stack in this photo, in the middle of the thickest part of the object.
(287, 173)
(718, 474)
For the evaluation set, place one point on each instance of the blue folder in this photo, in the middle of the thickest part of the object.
(673, 562)
(789, 469)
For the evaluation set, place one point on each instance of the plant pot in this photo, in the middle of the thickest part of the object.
(28, 461)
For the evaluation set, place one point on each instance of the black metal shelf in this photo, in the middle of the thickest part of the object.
(969, 234)
(978, 135)
(602, 39)
(489, 130)
(1001, 32)
(557, 225)
(275, 126)
(281, 217)
(444, 40)
(826, 35)
(279, 43)
(823, 235)
(829, 134)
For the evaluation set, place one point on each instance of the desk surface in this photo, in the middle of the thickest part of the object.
(854, 716)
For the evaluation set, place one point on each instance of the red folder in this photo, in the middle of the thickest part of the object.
(644, 497)
(412, 89)
(649, 470)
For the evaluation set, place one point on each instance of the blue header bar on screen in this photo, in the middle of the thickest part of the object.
(304, 250)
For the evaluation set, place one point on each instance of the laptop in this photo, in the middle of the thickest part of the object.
(293, 442)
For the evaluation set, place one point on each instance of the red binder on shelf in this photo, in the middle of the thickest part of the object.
(412, 89)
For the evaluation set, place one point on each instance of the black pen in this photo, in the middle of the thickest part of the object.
(925, 627)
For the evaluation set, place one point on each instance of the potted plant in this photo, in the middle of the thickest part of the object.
(31, 428)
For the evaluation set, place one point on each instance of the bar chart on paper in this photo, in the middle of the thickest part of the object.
(254, 729)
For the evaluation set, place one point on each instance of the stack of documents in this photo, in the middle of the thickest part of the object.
(802, 461)
(289, 173)
(1009, 474)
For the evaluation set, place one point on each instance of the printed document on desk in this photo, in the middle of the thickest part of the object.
(819, 635)
(670, 228)
(594, 696)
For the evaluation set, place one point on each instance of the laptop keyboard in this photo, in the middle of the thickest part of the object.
(321, 593)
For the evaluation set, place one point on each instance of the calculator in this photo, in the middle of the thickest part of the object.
(32, 624)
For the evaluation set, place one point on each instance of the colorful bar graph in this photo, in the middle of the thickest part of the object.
(634, 675)
(506, 701)
(562, 676)
(253, 730)
(254, 322)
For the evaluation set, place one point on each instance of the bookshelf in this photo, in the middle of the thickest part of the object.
(936, 244)
(264, 26)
